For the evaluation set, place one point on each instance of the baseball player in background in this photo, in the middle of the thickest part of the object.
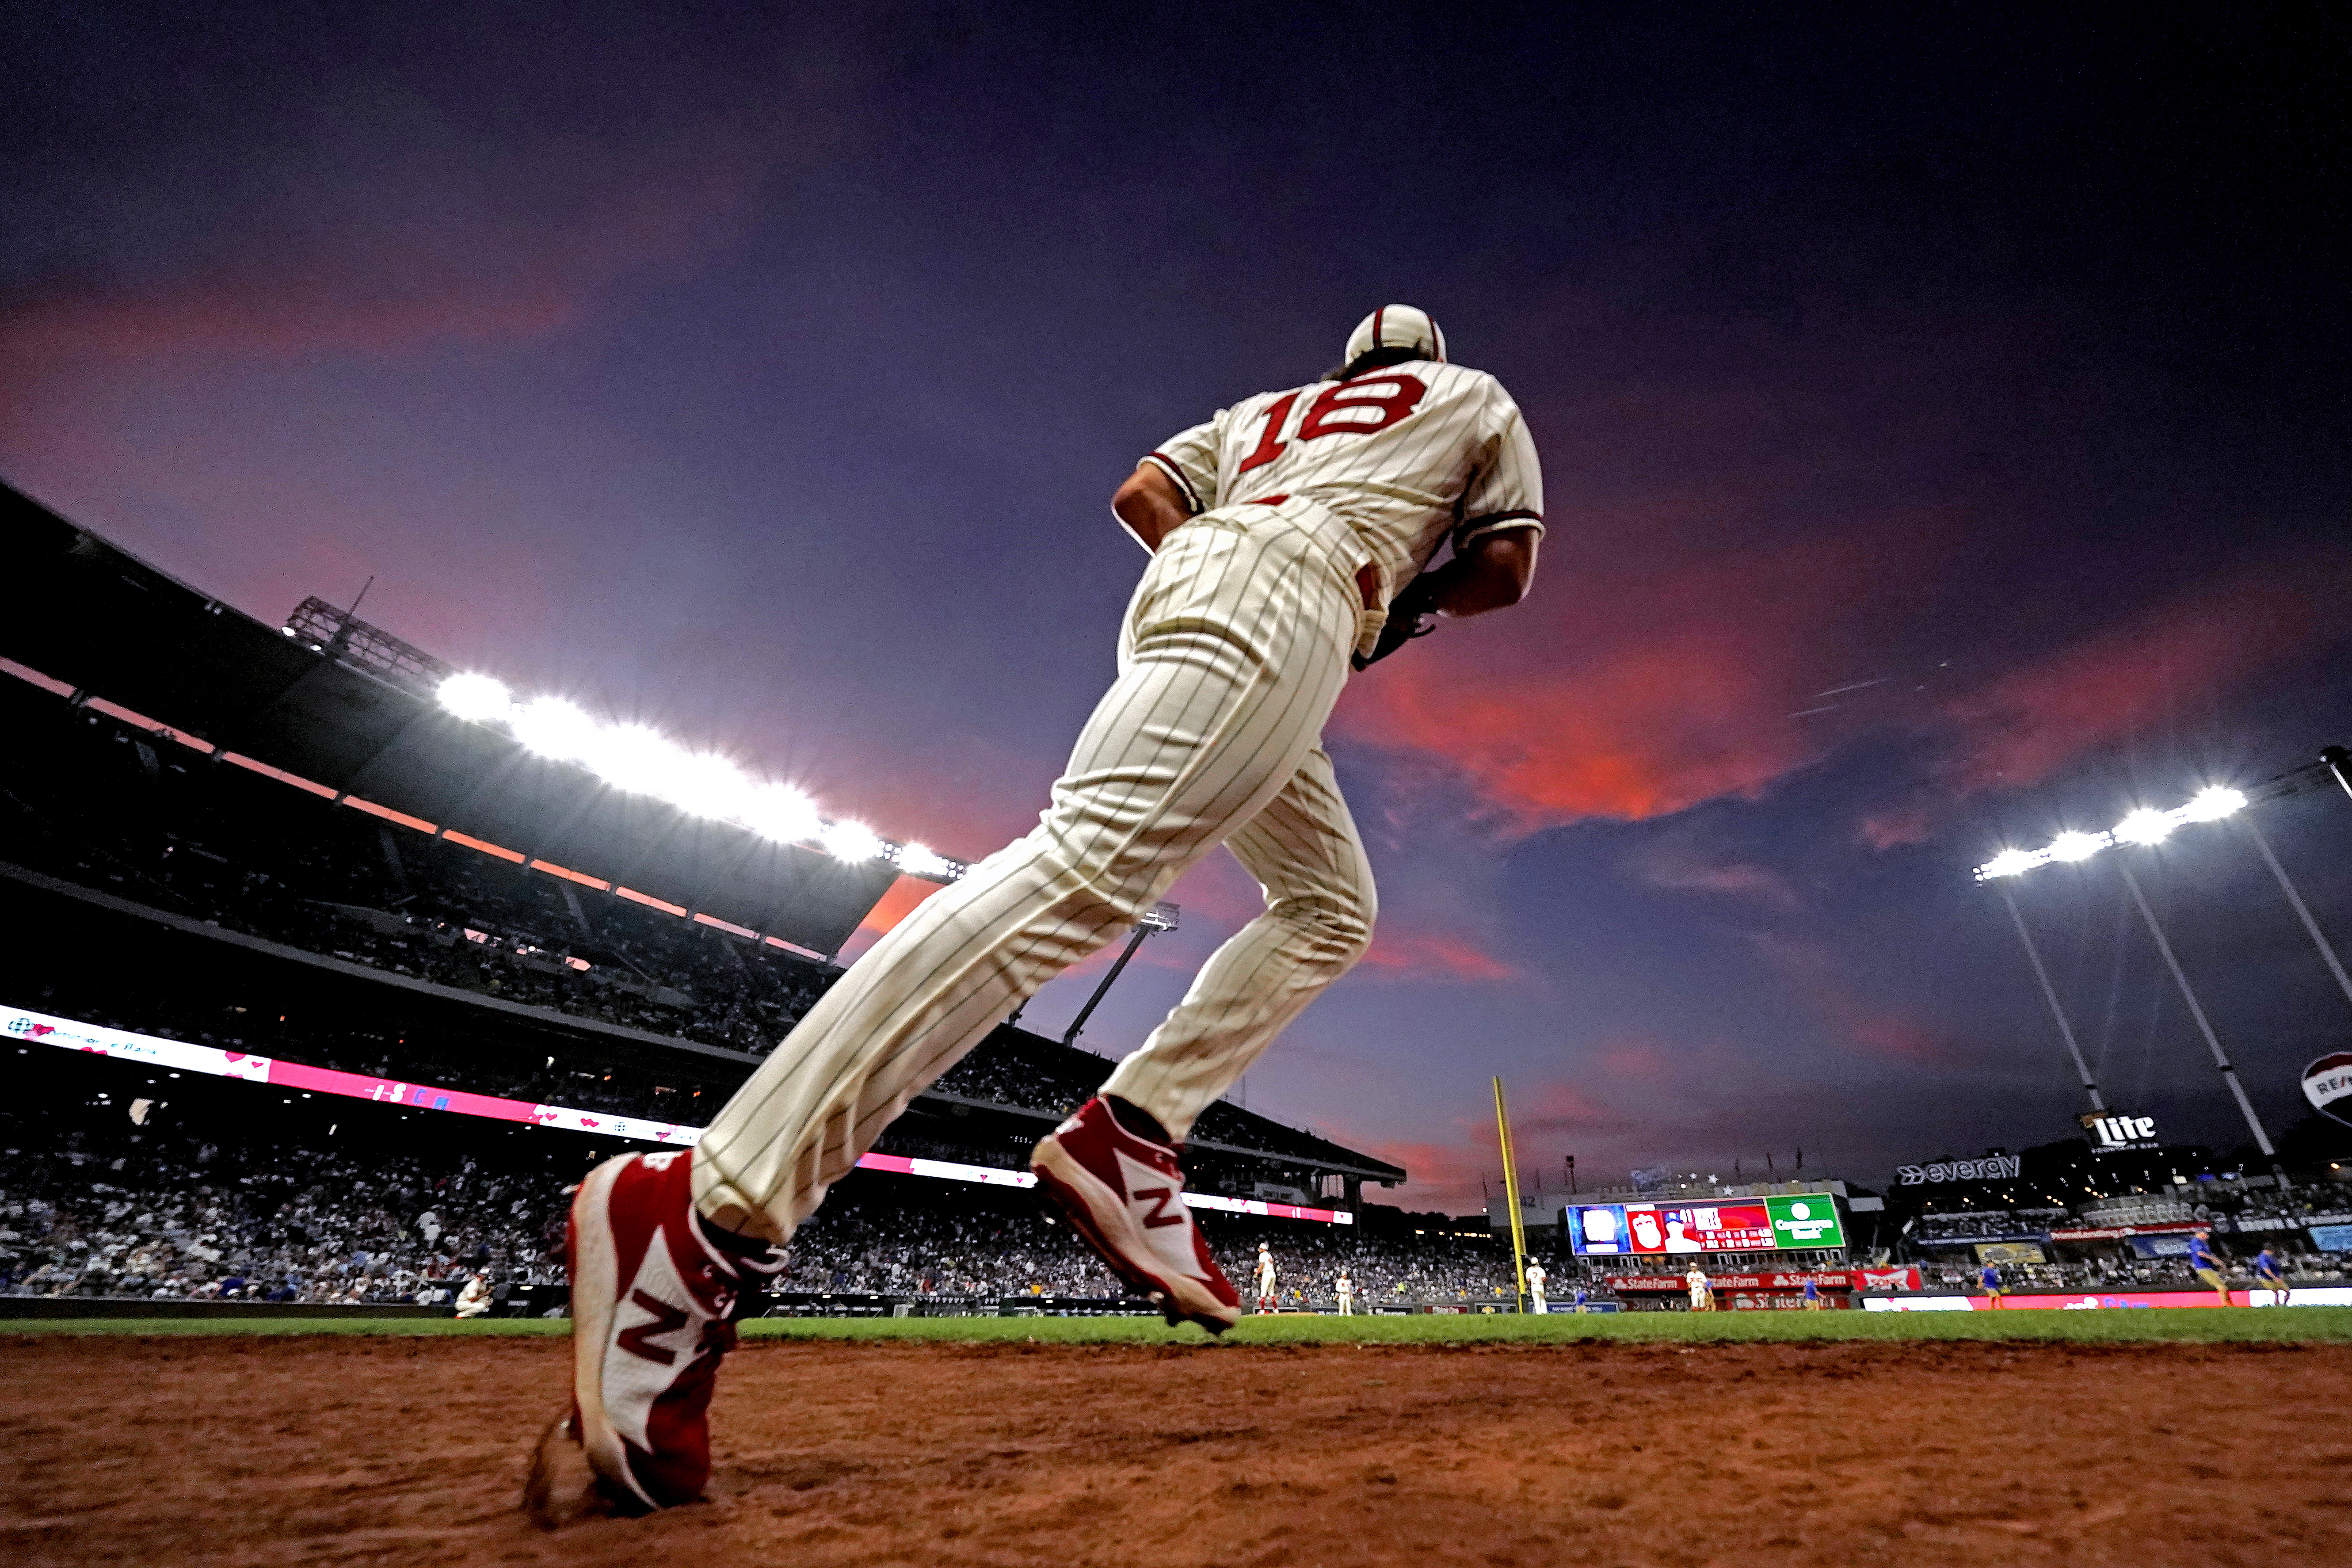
(2269, 1276)
(2207, 1265)
(1702, 1295)
(1988, 1279)
(1265, 1302)
(1293, 538)
(1536, 1277)
(1346, 1295)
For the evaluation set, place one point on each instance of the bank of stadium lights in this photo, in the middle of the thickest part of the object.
(2145, 826)
(643, 761)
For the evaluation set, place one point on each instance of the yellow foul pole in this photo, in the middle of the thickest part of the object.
(1511, 1196)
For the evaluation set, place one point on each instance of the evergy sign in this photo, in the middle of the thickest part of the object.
(2328, 1080)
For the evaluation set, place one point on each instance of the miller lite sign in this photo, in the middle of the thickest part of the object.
(2114, 1133)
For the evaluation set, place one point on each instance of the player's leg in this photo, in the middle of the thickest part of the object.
(1235, 647)
(1303, 848)
(1306, 853)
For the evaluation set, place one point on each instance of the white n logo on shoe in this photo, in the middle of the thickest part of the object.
(1159, 1198)
(658, 1323)
(1159, 1211)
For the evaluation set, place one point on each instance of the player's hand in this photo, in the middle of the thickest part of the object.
(1409, 615)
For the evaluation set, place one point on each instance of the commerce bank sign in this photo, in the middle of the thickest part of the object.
(1991, 1168)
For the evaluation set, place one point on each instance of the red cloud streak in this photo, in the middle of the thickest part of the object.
(1431, 955)
(1637, 685)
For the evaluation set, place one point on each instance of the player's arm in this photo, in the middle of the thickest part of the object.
(1148, 505)
(1490, 572)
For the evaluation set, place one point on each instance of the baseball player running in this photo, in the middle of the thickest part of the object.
(2207, 1265)
(1265, 1302)
(2270, 1277)
(1291, 538)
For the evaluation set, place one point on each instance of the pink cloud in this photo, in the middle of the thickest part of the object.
(1403, 954)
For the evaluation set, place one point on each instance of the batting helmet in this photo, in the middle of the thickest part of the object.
(1397, 327)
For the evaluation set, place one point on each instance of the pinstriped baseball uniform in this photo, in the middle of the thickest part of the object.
(1311, 505)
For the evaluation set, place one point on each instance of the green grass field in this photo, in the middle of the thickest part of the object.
(2145, 1325)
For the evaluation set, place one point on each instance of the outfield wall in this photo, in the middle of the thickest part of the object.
(2083, 1300)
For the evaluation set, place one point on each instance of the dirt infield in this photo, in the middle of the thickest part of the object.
(344, 1450)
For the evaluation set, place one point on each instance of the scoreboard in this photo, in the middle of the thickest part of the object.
(1798, 1221)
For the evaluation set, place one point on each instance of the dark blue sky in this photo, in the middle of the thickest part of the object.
(764, 373)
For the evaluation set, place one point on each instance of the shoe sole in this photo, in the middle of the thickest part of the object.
(562, 1488)
(1102, 1218)
(595, 1287)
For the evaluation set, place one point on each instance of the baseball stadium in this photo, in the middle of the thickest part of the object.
(310, 1059)
(1699, 917)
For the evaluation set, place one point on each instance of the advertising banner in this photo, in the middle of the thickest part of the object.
(2119, 1232)
(1792, 1280)
(1727, 1224)
(2328, 1081)
(2010, 1252)
(2332, 1237)
(2116, 1133)
(1992, 1168)
(2089, 1302)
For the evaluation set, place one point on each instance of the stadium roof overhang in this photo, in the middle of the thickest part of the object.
(97, 618)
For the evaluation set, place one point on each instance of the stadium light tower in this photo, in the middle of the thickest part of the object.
(2145, 827)
(1158, 918)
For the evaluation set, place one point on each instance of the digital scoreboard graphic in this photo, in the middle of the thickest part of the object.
(1798, 1221)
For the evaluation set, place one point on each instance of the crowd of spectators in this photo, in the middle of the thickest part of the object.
(164, 1216)
(94, 1204)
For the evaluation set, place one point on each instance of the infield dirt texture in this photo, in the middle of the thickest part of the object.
(1656, 1441)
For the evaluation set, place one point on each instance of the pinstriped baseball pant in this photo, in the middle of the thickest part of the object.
(1234, 648)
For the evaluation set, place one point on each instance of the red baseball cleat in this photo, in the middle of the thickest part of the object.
(652, 1304)
(1125, 1196)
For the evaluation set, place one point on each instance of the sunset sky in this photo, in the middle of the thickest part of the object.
(1944, 428)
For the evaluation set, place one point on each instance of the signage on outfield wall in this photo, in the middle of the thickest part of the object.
(2114, 1133)
(1991, 1168)
(67, 1034)
(1827, 1278)
(2091, 1301)
(2328, 1081)
(1803, 1220)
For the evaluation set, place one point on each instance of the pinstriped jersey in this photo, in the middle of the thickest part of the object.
(1410, 454)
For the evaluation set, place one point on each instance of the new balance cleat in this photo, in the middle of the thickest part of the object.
(1125, 1196)
(653, 1304)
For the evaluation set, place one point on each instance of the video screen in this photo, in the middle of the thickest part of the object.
(1739, 1224)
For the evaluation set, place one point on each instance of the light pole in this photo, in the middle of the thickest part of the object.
(2302, 909)
(2049, 994)
(2204, 1026)
(1159, 916)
